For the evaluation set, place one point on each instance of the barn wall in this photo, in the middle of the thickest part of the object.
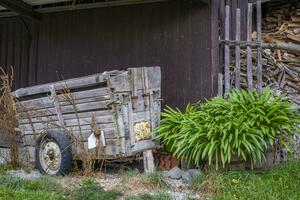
(174, 35)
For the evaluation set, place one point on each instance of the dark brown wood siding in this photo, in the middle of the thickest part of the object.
(174, 35)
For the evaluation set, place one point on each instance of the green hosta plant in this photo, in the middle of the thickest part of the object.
(244, 124)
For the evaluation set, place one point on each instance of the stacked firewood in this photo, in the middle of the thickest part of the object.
(281, 69)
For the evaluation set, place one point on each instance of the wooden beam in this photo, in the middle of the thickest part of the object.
(277, 45)
(96, 5)
(21, 8)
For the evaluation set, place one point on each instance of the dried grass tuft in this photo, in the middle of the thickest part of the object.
(8, 115)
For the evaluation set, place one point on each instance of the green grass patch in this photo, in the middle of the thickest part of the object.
(4, 168)
(91, 190)
(42, 188)
(159, 196)
(281, 182)
(151, 180)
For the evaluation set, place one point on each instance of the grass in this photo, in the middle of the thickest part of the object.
(46, 188)
(91, 190)
(42, 188)
(4, 169)
(281, 182)
(151, 180)
(159, 196)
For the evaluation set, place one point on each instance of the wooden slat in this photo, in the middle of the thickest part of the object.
(78, 97)
(57, 106)
(143, 146)
(259, 49)
(67, 116)
(249, 49)
(72, 128)
(68, 109)
(69, 123)
(238, 50)
(227, 50)
(75, 83)
(131, 80)
(220, 85)
(108, 134)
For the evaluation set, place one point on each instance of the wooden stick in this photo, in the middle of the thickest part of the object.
(227, 51)
(259, 49)
(237, 50)
(249, 49)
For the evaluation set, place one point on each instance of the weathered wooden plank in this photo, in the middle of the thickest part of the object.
(238, 50)
(67, 109)
(75, 83)
(109, 134)
(259, 49)
(111, 149)
(79, 97)
(145, 86)
(131, 122)
(57, 106)
(67, 116)
(249, 49)
(121, 124)
(227, 50)
(133, 78)
(143, 145)
(69, 123)
(138, 116)
(156, 109)
(70, 129)
(220, 85)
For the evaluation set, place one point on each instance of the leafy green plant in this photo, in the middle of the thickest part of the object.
(244, 124)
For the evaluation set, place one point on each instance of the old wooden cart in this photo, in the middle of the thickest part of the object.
(110, 115)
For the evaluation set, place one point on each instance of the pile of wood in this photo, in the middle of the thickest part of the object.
(281, 69)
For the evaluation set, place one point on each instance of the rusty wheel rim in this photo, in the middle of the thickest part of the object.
(50, 157)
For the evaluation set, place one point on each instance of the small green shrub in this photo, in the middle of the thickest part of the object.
(244, 124)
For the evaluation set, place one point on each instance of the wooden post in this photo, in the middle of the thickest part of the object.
(249, 49)
(238, 50)
(220, 85)
(227, 51)
(57, 106)
(259, 49)
(149, 165)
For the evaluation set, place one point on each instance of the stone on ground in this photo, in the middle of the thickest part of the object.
(175, 173)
